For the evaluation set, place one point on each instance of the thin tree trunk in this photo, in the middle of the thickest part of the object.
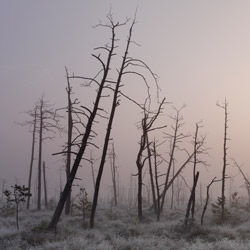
(172, 194)
(69, 142)
(45, 186)
(113, 173)
(151, 176)
(223, 198)
(158, 204)
(109, 127)
(194, 169)
(32, 157)
(40, 157)
(191, 199)
(207, 200)
(88, 130)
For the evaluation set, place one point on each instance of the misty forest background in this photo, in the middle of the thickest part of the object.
(119, 142)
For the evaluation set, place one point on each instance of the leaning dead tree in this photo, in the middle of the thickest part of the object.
(175, 138)
(246, 179)
(191, 198)
(146, 127)
(224, 106)
(75, 115)
(91, 115)
(125, 68)
(33, 128)
(196, 161)
(207, 199)
(199, 149)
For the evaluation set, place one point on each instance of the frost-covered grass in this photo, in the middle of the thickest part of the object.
(119, 229)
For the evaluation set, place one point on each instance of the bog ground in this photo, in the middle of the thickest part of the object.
(118, 228)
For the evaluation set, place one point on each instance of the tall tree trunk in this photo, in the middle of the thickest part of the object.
(32, 156)
(109, 127)
(45, 186)
(151, 176)
(223, 198)
(195, 163)
(39, 188)
(69, 141)
(68, 185)
(158, 204)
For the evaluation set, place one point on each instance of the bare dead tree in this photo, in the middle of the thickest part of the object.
(207, 199)
(91, 115)
(126, 62)
(146, 126)
(33, 128)
(196, 161)
(69, 139)
(246, 179)
(200, 149)
(48, 121)
(128, 66)
(224, 106)
(175, 138)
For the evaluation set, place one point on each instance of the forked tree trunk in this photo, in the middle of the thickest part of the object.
(67, 188)
(192, 195)
(109, 127)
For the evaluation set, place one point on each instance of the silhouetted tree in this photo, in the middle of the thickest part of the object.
(33, 127)
(246, 179)
(207, 199)
(48, 121)
(146, 126)
(175, 138)
(91, 116)
(224, 106)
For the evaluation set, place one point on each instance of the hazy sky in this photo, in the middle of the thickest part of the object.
(199, 49)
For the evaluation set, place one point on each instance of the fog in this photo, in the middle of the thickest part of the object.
(199, 49)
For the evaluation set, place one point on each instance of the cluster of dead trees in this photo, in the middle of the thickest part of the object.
(163, 168)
